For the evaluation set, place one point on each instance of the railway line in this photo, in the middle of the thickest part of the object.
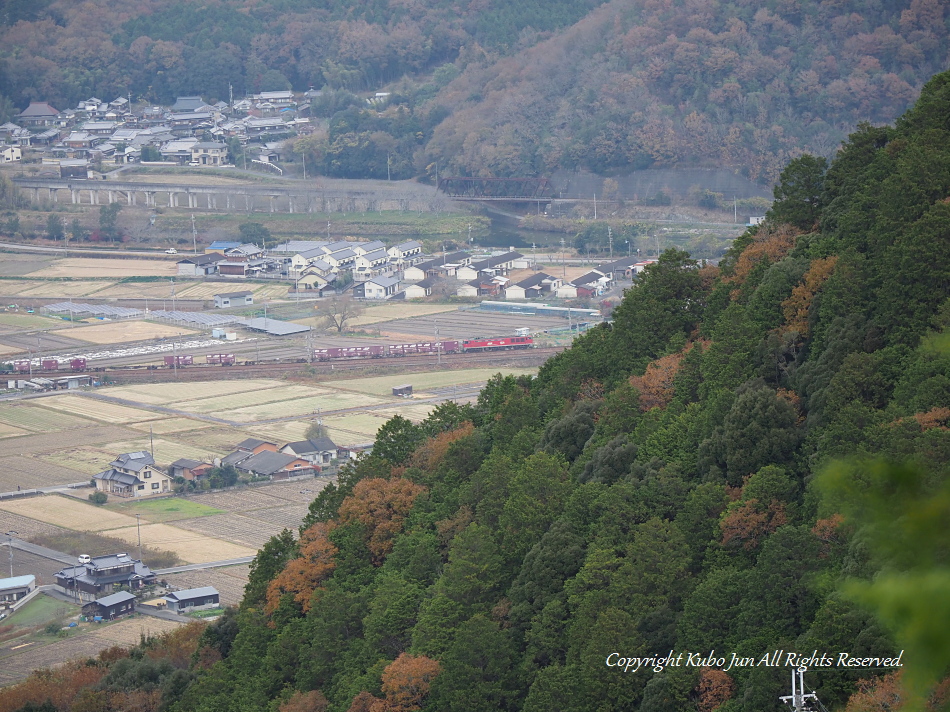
(277, 368)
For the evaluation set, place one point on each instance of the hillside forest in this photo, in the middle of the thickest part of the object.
(494, 88)
(751, 457)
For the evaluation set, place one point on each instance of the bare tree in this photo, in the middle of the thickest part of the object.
(337, 312)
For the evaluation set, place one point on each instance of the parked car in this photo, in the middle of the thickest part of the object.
(171, 251)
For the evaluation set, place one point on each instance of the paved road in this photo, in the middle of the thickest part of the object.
(96, 251)
(207, 565)
(43, 551)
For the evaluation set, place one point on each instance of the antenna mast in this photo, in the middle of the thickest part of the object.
(799, 700)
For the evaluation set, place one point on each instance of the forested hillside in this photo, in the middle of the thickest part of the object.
(510, 88)
(666, 484)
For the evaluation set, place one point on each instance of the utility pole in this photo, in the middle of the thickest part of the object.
(388, 162)
(563, 262)
(10, 546)
(138, 526)
(303, 157)
(194, 233)
(438, 346)
(610, 242)
(799, 700)
(595, 206)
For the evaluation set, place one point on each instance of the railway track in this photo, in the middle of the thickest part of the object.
(271, 369)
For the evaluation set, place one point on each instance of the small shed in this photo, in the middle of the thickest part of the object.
(193, 599)
(112, 606)
(404, 391)
(233, 299)
(13, 589)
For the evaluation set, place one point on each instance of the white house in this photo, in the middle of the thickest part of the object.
(9, 154)
(370, 263)
(420, 289)
(133, 474)
(405, 251)
(377, 288)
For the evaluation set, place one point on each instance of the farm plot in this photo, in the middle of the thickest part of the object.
(140, 290)
(301, 406)
(26, 527)
(38, 419)
(414, 412)
(388, 312)
(11, 322)
(29, 472)
(234, 528)
(215, 439)
(287, 431)
(235, 401)
(166, 509)
(355, 428)
(165, 450)
(229, 580)
(57, 441)
(241, 500)
(86, 459)
(87, 644)
(299, 491)
(164, 393)
(289, 517)
(68, 512)
(383, 385)
(95, 409)
(63, 289)
(193, 547)
(105, 267)
(8, 431)
(121, 332)
(170, 426)
(6, 349)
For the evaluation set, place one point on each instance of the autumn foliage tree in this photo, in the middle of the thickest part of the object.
(381, 507)
(715, 687)
(796, 308)
(406, 684)
(307, 572)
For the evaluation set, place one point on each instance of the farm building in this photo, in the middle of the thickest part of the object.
(533, 286)
(233, 299)
(199, 265)
(318, 450)
(189, 469)
(276, 465)
(109, 607)
(220, 246)
(403, 391)
(377, 288)
(133, 474)
(13, 589)
(103, 574)
(193, 599)
(420, 289)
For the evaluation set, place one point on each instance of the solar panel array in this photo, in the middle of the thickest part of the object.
(94, 309)
(196, 318)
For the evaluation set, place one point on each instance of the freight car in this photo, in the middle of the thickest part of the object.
(220, 359)
(179, 360)
(503, 344)
(424, 347)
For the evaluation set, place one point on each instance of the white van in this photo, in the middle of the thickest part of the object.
(84, 558)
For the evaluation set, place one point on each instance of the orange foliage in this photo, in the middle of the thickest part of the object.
(878, 695)
(363, 702)
(381, 506)
(591, 390)
(795, 308)
(428, 455)
(406, 682)
(751, 521)
(769, 245)
(312, 701)
(656, 384)
(305, 574)
(828, 531)
(933, 418)
(60, 686)
(447, 529)
(177, 646)
(707, 277)
(136, 701)
(715, 687)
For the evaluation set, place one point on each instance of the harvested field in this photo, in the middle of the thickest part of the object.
(229, 580)
(10, 349)
(288, 431)
(164, 393)
(383, 385)
(68, 512)
(415, 413)
(95, 409)
(300, 491)
(388, 312)
(171, 425)
(300, 406)
(165, 450)
(234, 528)
(141, 290)
(105, 267)
(126, 632)
(356, 428)
(86, 459)
(192, 547)
(466, 325)
(26, 563)
(120, 332)
(8, 431)
(30, 472)
(241, 500)
(52, 441)
(289, 517)
(26, 527)
(218, 439)
(38, 419)
(241, 399)
(63, 289)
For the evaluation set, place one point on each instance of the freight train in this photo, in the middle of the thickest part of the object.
(426, 347)
(51, 364)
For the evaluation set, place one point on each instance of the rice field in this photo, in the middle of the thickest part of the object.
(352, 429)
(94, 409)
(86, 459)
(414, 412)
(39, 419)
(299, 407)
(31, 472)
(235, 528)
(388, 312)
(164, 393)
(13, 321)
(170, 426)
(287, 431)
(105, 267)
(165, 509)
(242, 500)
(68, 513)
(63, 289)
(383, 385)
(214, 438)
(235, 401)
(120, 332)
(165, 450)
(10, 431)
(192, 547)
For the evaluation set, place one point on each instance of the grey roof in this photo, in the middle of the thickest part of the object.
(275, 327)
(188, 103)
(428, 282)
(39, 108)
(622, 263)
(267, 462)
(115, 598)
(17, 581)
(185, 462)
(408, 245)
(210, 144)
(234, 458)
(113, 475)
(384, 282)
(251, 443)
(379, 254)
(190, 593)
(304, 447)
(533, 281)
(231, 295)
(294, 246)
(338, 245)
(372, 246)
(133, 460)
(588, 278)
(202, 259)
(343, 254)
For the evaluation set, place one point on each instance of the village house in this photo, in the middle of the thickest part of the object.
(189, 469)
(377, 288)
(209, 153)
(9, 154)
(245, 252)
(221, 246)
(495, 265)
(15, 588)
(533, 287)
(133, 474)
(199, 265)
(276, 465)
(315, 450)
(38, 113)
(420, 289)
(405, 252)
(104, 574)
(370, 264)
